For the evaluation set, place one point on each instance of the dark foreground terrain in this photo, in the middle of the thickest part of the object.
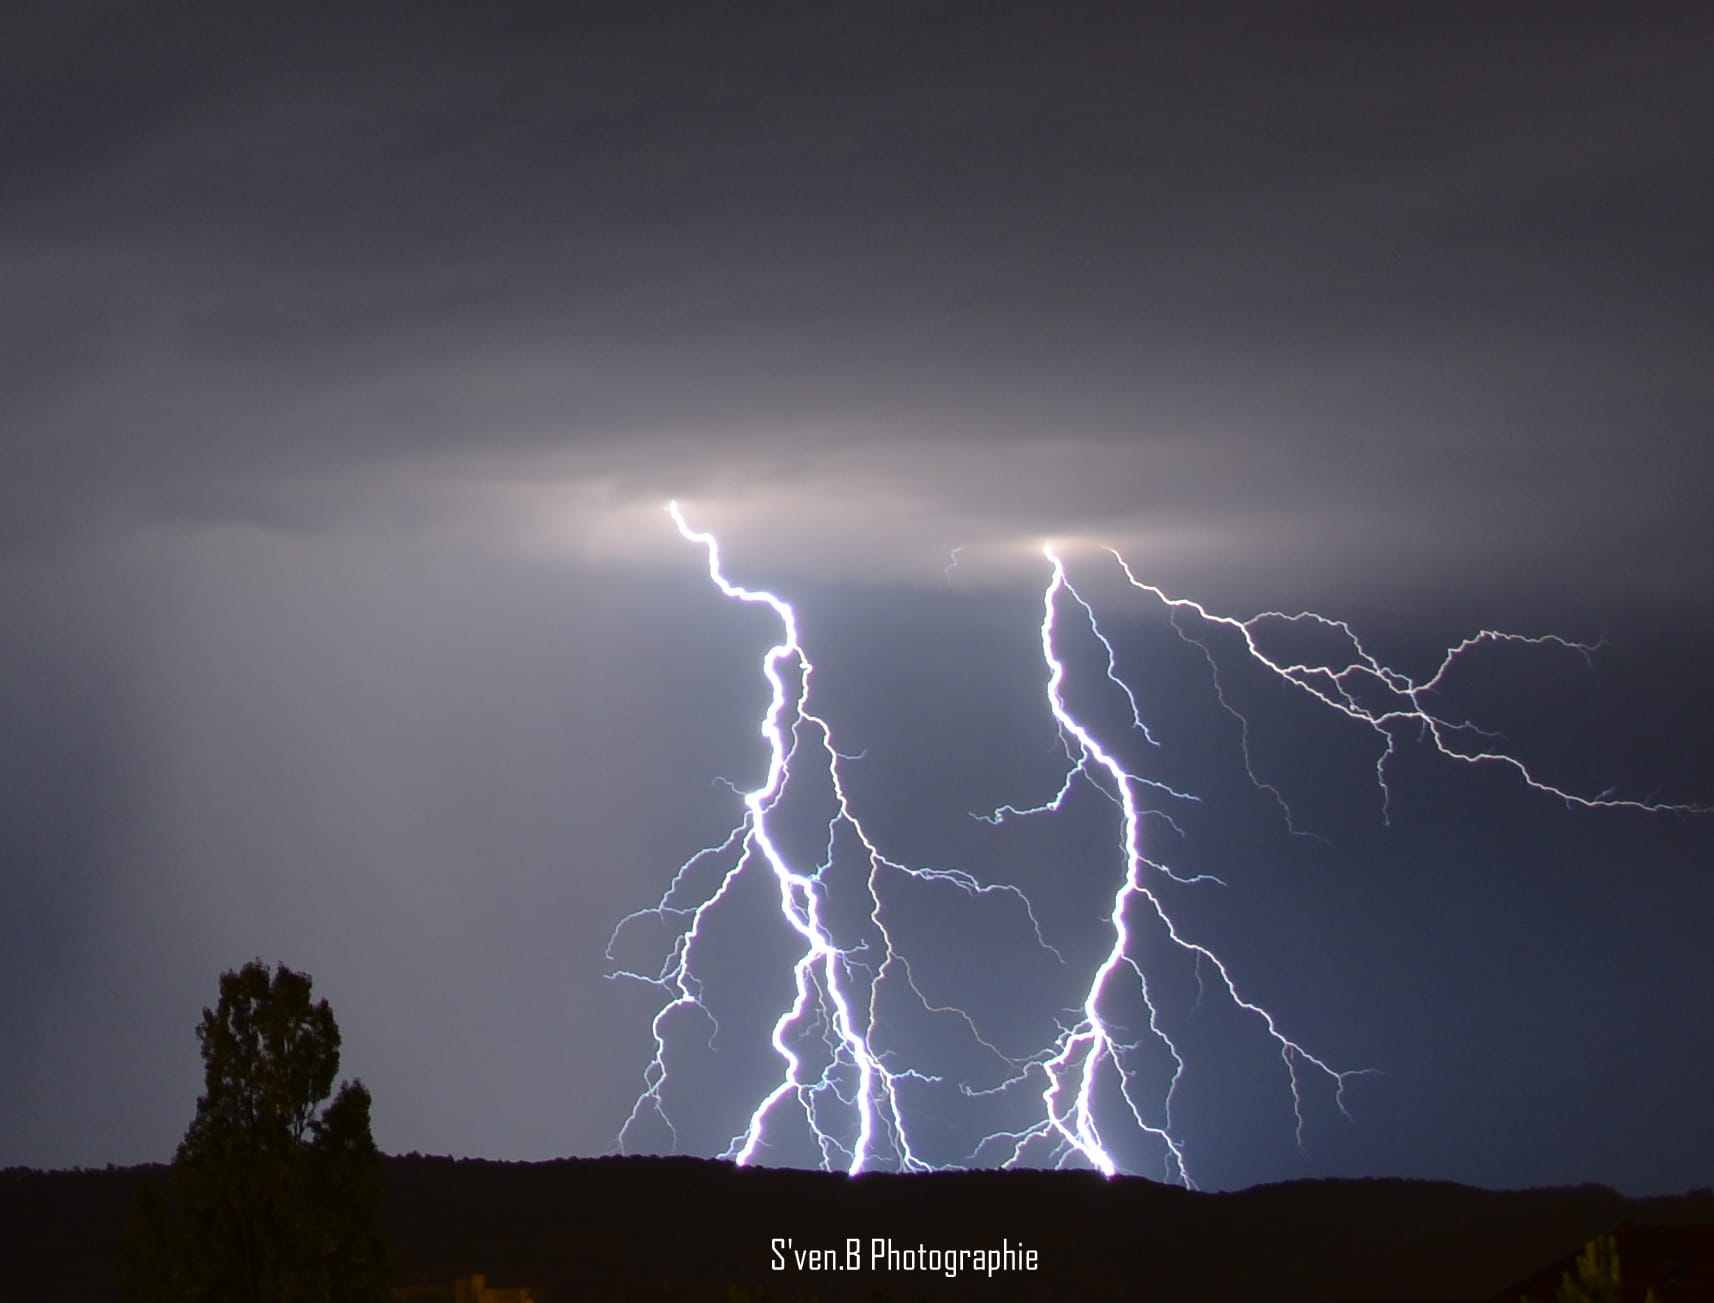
(680, 1228)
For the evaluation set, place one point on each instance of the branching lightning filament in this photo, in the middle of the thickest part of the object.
(1084, 1098)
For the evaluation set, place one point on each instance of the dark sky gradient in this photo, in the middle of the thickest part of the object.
(346, 360)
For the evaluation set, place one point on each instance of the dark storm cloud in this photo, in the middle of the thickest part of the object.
(1429, 279)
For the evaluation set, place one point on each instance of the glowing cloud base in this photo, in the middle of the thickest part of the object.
(1080, 1090)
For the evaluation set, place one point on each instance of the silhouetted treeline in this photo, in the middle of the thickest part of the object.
(680, 1228)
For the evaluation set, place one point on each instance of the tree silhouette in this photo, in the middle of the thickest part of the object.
(269, 1200)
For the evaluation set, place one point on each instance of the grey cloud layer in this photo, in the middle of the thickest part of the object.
(1430, 281)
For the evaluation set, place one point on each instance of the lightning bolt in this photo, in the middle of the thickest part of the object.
(849, 976)
(838, 990)
(1090, 1045)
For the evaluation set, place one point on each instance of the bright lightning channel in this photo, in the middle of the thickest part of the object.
(855, 1105)
(828, 977)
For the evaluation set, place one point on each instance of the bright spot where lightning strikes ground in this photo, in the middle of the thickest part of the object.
(1092, 1085)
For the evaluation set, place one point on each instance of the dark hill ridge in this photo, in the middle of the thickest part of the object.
(672, 1228)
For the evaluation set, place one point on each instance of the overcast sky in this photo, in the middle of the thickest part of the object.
(346, 362)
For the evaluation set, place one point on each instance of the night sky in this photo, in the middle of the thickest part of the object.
(347, 361)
